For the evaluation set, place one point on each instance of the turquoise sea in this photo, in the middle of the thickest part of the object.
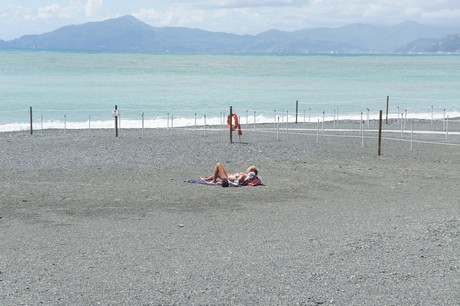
(83, 88)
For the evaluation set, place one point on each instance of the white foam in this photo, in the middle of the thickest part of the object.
(245, 121)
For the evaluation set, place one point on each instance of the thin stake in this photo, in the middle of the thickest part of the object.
(402, 125)
(317, 132)
(405, 118)
(204, 125)
(411, 134)
(254, 120)
(444, 120)
(380, 131)
(447, 127)
(231, 124)
(31, 121)
(431, 116)
(388, 103)
(142, 123)
(333, 125)
(278, 130)
(337, 125)
(116, 121)
(368, 117)
(287, 126)
(296, 110)
(322, 128)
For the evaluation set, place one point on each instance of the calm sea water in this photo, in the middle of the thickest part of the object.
(85, 87)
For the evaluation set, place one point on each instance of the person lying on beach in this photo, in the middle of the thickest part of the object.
(234, 178)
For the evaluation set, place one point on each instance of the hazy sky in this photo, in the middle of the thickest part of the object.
(19, 17)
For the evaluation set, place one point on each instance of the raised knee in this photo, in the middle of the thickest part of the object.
(218, 164)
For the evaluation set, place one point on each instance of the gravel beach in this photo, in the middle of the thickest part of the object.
(87, 219)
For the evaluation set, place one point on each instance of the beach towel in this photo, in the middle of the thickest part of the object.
(203, 182)
(251, 180)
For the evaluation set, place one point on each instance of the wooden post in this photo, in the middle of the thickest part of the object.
(231, 124)
(31, 122)
(116, 121)
(380, 131)
(296, 110)
(388, 103)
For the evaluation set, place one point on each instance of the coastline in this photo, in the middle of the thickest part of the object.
(88, 218)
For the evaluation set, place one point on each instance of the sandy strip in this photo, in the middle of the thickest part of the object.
(86, 218)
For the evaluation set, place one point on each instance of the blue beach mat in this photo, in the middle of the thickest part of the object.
(202, 182)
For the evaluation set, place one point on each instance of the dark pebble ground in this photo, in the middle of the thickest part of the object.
(88, 219)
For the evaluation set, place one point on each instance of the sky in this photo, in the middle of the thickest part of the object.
(22, 17)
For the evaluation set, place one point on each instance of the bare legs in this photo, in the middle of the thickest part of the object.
(219, 172)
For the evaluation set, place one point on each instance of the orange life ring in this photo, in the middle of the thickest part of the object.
(235, 124)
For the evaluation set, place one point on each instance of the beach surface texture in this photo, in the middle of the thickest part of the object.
(87, 218)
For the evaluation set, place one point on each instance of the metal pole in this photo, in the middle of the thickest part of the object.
(142, 123)
(333, 125)
(296, 110)
(380, 131)
(116, 121)
(317, 132)
(337, 118)
(402, 126)
(231, 124)
(444, 120)
(204, 125)
(431, 116)
(278, 130)
(388, 103)
(31, 121)
(368, 117)
(447, 127)
(287, 121)
(322, 127)
(411, 133)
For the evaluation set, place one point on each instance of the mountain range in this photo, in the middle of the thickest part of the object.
(128, 34)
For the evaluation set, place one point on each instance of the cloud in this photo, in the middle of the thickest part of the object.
(147, 15)
(56, 11)
(92, 7)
